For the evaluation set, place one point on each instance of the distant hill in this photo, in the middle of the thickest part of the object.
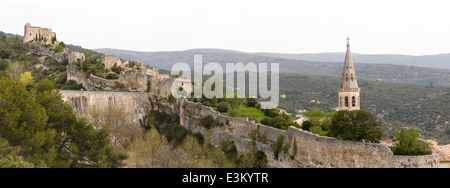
(10, 35)
(441, 61)
(366, 71)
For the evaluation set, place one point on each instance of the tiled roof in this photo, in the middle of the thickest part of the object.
(443, 152)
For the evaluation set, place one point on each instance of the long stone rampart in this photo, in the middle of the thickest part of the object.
(309, 150)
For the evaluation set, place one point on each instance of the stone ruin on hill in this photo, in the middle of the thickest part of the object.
(134, 75)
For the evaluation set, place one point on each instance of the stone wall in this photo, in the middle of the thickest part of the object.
(311, 150)
(318, 151)
(136, 104)
(97, 83)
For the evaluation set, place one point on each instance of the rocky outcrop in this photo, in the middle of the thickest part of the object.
(111, 61)
(39, 50)
(129, 80)
(133, 80)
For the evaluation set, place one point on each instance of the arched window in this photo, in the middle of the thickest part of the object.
(346, 101)
(353, 102)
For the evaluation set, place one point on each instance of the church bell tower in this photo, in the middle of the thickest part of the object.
(349, 92)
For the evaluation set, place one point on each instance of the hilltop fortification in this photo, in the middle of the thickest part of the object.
(34, 33)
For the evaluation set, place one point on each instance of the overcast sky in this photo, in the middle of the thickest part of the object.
(410, 27)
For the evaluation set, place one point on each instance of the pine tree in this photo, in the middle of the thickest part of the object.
(54, 39)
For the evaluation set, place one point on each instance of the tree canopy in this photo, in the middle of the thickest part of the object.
(46, 130)
(358, 125)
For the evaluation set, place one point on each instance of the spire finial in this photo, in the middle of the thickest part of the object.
(348, 41)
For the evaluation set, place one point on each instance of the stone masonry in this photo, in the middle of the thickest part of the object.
(312, 150)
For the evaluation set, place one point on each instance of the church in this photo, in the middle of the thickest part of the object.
(349, 92)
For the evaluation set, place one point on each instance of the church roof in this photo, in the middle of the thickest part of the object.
(348, 79)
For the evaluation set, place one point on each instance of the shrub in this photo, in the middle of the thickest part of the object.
(58, 49)
(253, 159)
(207, 122)
(4, 65)
(272, 112)
(229, 148)
(407, 143)
(251, 102)
(223, 107)
(117, 69)
(200, 138)
(11, 162)
(306, 125)
(276, 147)
(112, 77)
(281, 121)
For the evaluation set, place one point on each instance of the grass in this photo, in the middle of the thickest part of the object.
(251, 112)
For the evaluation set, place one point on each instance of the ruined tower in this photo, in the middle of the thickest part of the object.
(349, 92)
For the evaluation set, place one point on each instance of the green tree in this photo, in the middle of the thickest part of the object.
(358, 125)
(315, 116)
(5, 53)
(407, 142)
(44, 85)
(62, 44)
(47, 130)
(54, 39)
(23, 123)
(81, 145)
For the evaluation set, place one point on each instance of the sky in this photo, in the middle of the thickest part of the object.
(411, 27)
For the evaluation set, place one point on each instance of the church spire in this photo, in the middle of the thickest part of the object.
(349, 92)
(348, 77)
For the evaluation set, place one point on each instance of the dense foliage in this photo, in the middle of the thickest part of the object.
(358, 125)
(407, 142)
(47, 131)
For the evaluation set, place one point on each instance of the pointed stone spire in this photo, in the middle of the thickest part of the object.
(349, 92)
(348, 78)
